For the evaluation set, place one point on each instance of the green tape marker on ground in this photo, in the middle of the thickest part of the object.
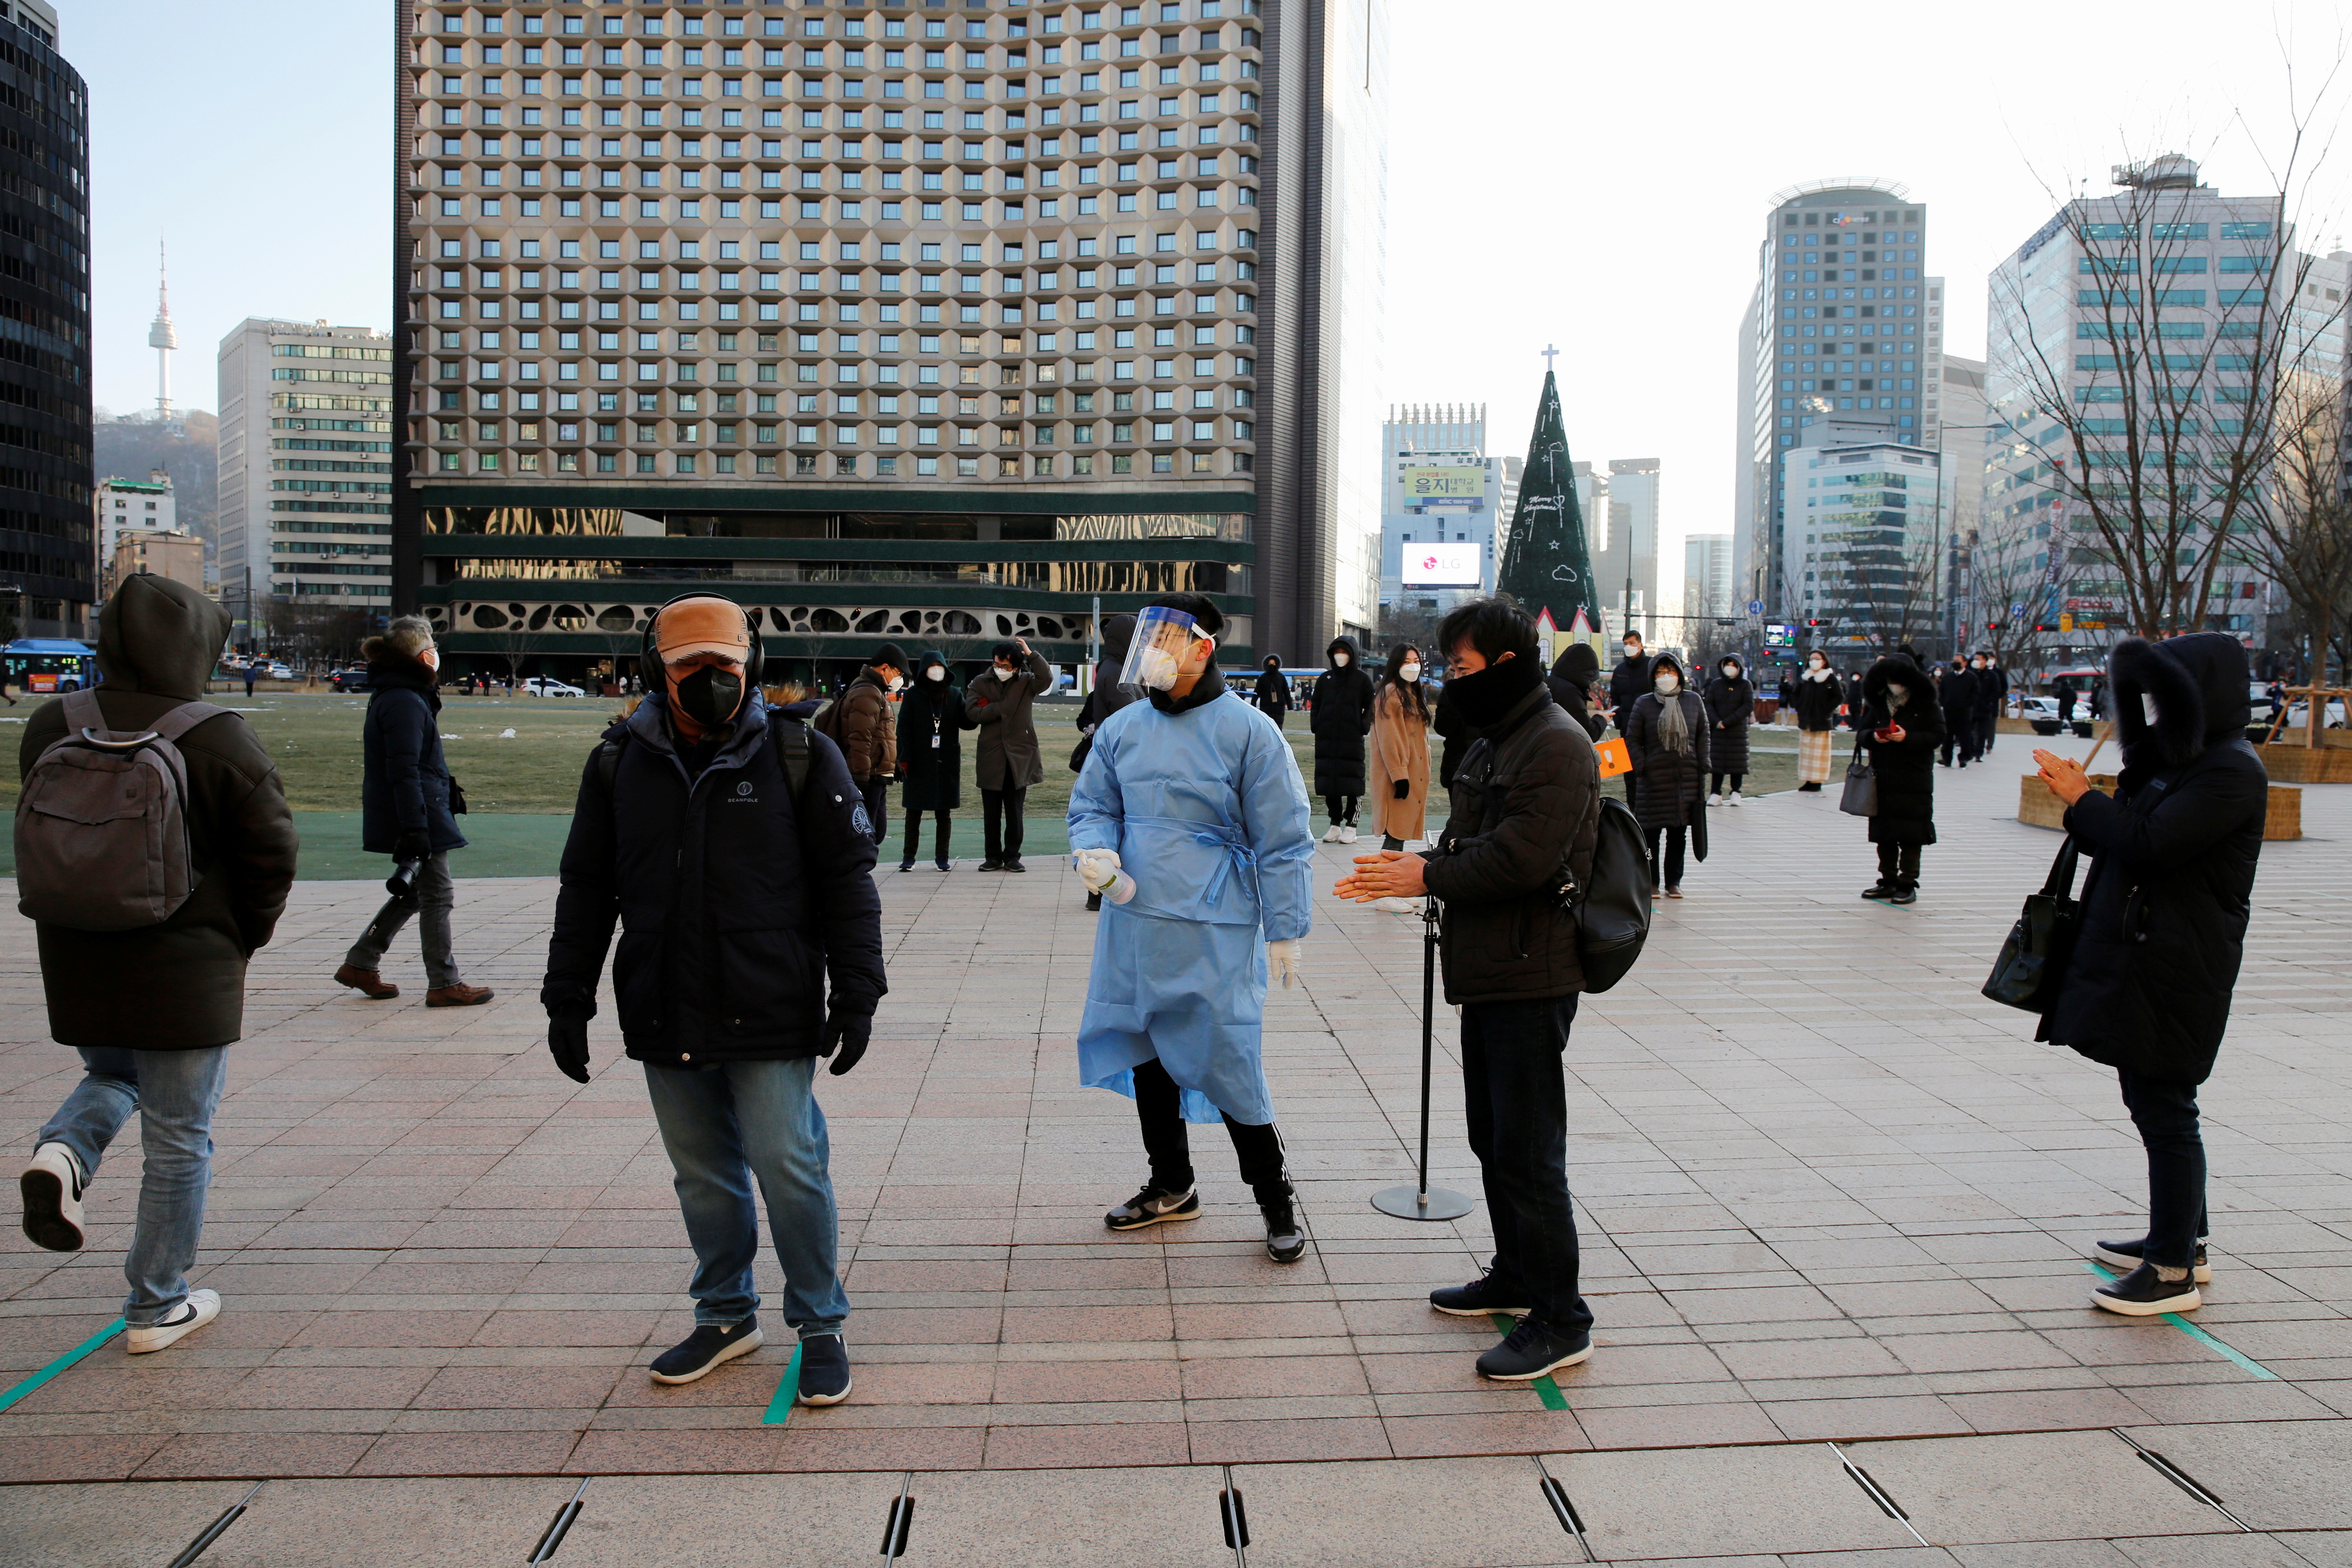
(2200, 1335)
(780, 1408)
(1546, 1389)
(59, 1365)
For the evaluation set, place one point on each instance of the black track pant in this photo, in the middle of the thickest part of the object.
(1158, 1107)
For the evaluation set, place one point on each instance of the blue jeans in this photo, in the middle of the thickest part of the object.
(174, 1092)
(724, 1126)
(1514, 1097)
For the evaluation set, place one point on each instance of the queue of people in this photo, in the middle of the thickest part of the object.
(730, 844)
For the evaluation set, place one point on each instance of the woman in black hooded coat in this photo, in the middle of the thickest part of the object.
(1904, 763)
(2163, 928)
(1670, 757)
(1340, 718)
(930, 754)
(1571, 678)
(1272, 693)
(1730, 701)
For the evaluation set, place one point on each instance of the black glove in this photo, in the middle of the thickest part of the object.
(567, 1042)
(845, 1035)
(413, 846)
(1403, 788)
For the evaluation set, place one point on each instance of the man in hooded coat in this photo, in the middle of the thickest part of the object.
(1194, 795)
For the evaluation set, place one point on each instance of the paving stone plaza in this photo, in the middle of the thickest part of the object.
(1834, 1204)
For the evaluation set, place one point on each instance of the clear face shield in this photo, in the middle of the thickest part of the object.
(1164, 640)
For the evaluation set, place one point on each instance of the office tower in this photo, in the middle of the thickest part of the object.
(931, 322)
(1864, 549)
(304, 515)
(120, 505)
(1706, 578)
(1968, 436)
(1441, 487)
(1625, 548)
(47, 559)
(1845, 325)
(2245, 324)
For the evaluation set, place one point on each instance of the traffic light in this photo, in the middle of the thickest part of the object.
(2045, 626)
(1992, 625)
(1816, 623)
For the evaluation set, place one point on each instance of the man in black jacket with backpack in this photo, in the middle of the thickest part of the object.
(735, 852)
(1526, 804)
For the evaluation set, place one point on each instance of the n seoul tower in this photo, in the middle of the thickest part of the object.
(162, 337)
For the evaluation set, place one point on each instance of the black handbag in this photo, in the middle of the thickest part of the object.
(2033, 962)
(1861, 796)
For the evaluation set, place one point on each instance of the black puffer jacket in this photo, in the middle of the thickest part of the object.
(1817, 702)
(1906, 767)
(1341, 717)
(737, 903)
(1272, 693)
(1571, 681)
(1667, 785)
(1526, 798)
(404, 779)
(1627, 682)
(2172, 869)
(1731, 709)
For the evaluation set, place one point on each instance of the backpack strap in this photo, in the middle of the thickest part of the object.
(793, 751)
(82, 711)
(608, 760)
(184, 718)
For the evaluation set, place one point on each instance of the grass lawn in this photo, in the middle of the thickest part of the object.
(534, 772)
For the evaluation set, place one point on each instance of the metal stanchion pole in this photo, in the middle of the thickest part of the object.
(1419, 1201)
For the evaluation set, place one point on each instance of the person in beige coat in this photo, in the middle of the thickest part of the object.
(1400, 762)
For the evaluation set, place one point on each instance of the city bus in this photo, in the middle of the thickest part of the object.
(42, 666)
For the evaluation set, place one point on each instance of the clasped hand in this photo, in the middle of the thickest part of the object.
(1390, 873)
(2065, 776)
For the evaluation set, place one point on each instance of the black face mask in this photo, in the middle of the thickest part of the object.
(1477, 701)
(709, 697)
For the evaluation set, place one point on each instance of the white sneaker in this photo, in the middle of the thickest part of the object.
(1348, 834)
(201, 1308)
(1735, 797)
(52, 1186)
(1332, 835)
(1714, 799)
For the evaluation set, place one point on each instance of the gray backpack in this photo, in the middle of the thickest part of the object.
(102, 824)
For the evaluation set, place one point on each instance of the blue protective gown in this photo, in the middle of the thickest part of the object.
(1209, 816)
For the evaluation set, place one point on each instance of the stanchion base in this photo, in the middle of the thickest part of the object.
(1405, 1203)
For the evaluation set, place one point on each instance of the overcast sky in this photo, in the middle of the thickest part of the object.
(1591, 176)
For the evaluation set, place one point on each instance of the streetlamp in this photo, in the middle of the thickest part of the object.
(1952, 546)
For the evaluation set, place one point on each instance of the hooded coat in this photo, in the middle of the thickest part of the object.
(1001, 710)
(930, 738)
(403, 778)
(178, 985)
(1401, 751)
(2173, 852)
(1571, 681)
(1905, 768)
(1731, 709)
(738, 905)
(1817, 702)
(1272, 693)
(1669, 786)
(1340, 718)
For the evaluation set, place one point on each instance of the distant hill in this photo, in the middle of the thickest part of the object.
(131, 447)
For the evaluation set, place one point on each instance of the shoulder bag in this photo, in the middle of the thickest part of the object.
(2033, 962)
(1860, 796)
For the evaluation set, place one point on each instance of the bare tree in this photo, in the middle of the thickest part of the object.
(2156, 425)
(2300, 535)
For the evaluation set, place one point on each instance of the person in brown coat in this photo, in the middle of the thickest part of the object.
(1400, 759)
(998, 705)
(153, 1010)
(867, 731)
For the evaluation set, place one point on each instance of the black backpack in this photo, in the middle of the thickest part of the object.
(1612, 907)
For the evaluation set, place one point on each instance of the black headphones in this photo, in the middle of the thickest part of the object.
(651, 652)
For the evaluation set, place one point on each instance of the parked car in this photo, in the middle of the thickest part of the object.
(2298, 714)
(548, 686)
(278, 673)
(2042, 713)
(351, 680)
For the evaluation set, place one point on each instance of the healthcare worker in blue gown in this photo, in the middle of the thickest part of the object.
(1192, 819)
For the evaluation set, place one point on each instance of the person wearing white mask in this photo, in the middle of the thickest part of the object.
(931, 756)
(1340, 713)
(859, 722)
(1902, 725)
(999, 704)
(1667, 739)
(1627, 682)
(1818, 699)
(1730, 701)
(1400, 759)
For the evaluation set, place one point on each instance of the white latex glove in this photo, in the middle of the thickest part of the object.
(1284, 960)
(1097, 868)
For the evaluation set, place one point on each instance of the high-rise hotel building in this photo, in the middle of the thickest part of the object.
(1846, 327)
(934, 322)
